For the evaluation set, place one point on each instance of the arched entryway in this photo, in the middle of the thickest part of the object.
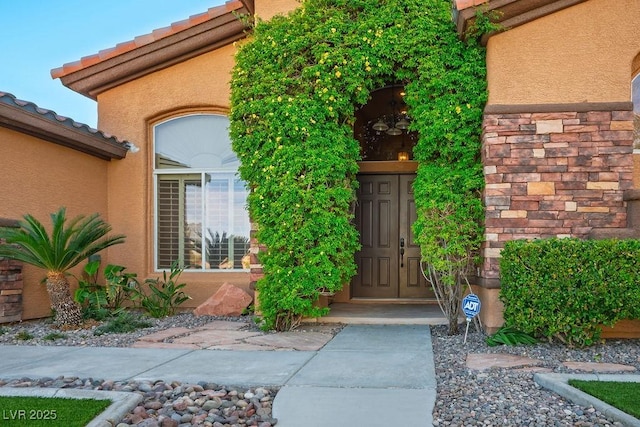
(388, 263)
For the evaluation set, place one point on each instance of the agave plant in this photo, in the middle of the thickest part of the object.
(68, 245)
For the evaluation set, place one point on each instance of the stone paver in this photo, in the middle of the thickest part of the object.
(241, 346)
(165, 334)
(224, 325)
(210, 337)
(152, 344)
(598, 367)
(303, 341)
(481, 362)
(533, 369)
(229, 335)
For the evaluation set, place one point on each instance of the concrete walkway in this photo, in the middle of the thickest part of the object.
(373, 375)
(368, 375)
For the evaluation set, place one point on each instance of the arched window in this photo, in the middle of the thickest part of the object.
(200, 220)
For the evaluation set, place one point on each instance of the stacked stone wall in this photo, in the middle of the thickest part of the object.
(10, 290)
(553, 174)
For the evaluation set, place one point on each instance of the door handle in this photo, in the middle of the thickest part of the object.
(401, 252)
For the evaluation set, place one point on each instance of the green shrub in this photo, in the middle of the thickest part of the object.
(508, 335)
(123, 322)
(90, 295)
(24, 336)
(164, 295)
(99, 302)
(120, 286)
(565, 288)
(54, 336)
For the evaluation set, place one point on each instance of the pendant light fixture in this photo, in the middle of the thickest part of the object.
(380, 126)
(394, 128)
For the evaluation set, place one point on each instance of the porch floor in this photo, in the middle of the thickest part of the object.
(383, 313)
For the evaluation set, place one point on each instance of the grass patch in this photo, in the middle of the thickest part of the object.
(622, 395)
(24, 336)
(54, 336)
(124, 322)
(49, 411)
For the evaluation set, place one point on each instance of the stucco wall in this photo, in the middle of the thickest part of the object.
(129, 111)
(37, 177)
(580, 54)
(266, 9)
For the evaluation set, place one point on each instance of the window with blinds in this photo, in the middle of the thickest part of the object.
(201, 220)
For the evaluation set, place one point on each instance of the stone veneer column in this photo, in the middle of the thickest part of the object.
(10, 290)
(10, 284)
(553, 174)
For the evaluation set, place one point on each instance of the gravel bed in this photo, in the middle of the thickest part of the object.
(176, 404)
(165, 404)
(42, 332)
(510, 397)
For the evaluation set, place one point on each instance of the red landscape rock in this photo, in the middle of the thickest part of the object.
(229, 300)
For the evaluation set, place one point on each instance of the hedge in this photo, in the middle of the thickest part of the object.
(566, 288)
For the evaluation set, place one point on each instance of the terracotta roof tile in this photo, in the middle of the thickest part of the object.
(139, 41)
(121, 48)
(29, 107)
(181, 25)
(106, 53)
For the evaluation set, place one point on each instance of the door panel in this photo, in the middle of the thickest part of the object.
(384, 215)
(412, 283)
(377, 220)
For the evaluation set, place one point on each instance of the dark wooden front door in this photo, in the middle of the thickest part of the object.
(389, 261)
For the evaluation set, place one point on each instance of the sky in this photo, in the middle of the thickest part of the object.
(37, 36)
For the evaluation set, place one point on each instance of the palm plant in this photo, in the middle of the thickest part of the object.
(57, 253)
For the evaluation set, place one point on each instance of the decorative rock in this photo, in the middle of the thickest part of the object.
(229, 300)
(149, 422)
(168, 422)
(180, 405)
(214, 403)
(153, 405)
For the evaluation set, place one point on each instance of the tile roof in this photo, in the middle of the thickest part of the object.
(27, 117)
(143, 40)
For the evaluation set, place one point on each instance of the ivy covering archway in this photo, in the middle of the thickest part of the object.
(295, 87)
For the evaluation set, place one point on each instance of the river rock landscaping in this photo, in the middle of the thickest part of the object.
(469, 392)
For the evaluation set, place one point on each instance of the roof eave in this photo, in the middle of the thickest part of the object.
(513, 13)
(250, 6)
(160, 54)
(33, 124)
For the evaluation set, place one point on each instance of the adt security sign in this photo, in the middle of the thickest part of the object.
(471, 306)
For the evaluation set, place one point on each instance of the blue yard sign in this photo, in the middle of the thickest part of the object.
(471, 306)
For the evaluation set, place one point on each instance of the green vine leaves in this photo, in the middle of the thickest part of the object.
(296, 85)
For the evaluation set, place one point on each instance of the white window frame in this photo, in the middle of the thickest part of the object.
(185, 172)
